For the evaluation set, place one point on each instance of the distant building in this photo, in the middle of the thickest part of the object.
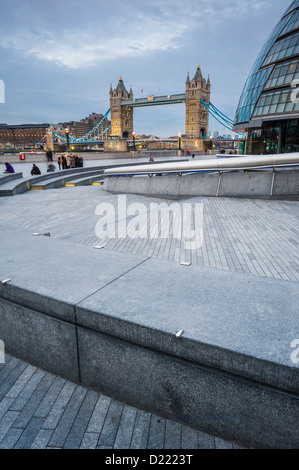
(21, 136)
(79, 128)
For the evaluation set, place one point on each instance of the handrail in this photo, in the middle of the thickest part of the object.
(234, 163)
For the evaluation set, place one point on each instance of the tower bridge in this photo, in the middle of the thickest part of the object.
(198, 89)
(119, 132)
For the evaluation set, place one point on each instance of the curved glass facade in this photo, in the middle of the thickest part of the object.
(268, 95)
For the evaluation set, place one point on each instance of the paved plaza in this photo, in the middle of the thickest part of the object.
(250, 236)
(41, 410)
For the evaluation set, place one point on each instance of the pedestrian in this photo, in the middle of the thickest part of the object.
(188, 152)
(35, 170)
(72, 163)
(59, 160)
(63, 162)
(51, 168)
(80, 161)
(68, 161)
(49, 155)
(9, 168)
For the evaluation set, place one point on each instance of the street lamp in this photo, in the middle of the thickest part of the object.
(134, 147)
(67, 131)
(180, 141)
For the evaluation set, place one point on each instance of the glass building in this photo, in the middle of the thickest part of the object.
(268, 109)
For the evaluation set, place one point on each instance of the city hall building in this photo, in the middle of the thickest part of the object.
(268, 109)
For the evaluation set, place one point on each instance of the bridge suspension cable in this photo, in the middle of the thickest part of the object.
(224, 120)
(92, 135)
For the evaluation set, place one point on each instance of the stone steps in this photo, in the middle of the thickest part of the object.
(10, 186)
(67, 180)
(13, 186)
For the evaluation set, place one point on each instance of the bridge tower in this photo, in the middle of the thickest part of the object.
(121, 115)
(50, 139)
(197, 117)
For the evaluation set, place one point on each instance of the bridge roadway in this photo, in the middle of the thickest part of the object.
(41, 410)
(155, 100)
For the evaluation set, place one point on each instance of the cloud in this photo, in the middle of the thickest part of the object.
(95, 33)
(76, 52)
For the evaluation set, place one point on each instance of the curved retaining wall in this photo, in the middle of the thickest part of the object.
(283, 183)
(90, 316)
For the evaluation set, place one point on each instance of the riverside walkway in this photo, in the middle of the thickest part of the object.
(41, 410)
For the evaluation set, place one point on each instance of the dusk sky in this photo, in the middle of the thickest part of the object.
(58, 58)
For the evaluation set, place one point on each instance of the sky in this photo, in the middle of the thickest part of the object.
(59, 57)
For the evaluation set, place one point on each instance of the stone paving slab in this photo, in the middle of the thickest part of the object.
(56, 289)
(62, 415)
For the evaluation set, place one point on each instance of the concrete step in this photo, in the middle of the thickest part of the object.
(6, 178)
(61, 179)
(21, 185)
(86, 179)
(14, 187)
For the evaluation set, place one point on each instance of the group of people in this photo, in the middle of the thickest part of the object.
(69, 161)
(64, 162)
(36, 171)
(10, 169)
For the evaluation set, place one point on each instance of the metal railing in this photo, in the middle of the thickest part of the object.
(234, 163)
